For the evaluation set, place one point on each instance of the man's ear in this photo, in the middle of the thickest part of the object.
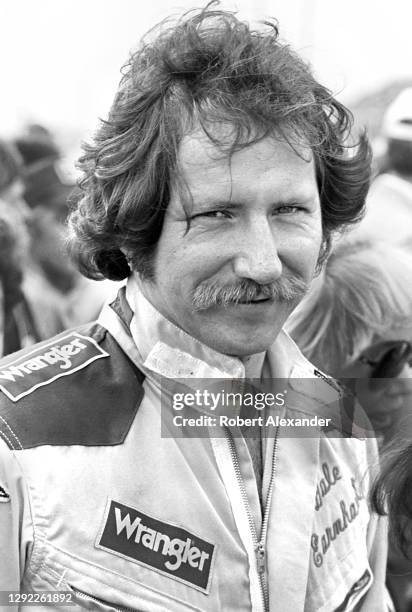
(113, 264)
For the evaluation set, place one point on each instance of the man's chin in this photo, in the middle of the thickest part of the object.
(237, 336)
(238, 346)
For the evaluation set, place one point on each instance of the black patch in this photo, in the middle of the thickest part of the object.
(169, 549)
(93, 406)
(43, 364)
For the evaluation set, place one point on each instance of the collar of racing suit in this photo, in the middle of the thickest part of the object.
(161, 350)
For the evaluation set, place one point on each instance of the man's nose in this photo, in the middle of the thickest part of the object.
(258, 257)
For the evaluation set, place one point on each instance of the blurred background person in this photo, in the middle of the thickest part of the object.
(47, 194)
(31, 310)
(46, 183)
(49, 191)
(17, 326)
(356, 324)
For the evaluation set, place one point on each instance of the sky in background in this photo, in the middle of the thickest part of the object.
(60, 59)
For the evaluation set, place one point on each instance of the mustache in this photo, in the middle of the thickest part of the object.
(285, 289)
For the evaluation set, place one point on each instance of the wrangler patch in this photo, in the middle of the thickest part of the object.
(45, 364)
(169, 549)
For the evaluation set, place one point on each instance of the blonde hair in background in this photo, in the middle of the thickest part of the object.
(364, 290)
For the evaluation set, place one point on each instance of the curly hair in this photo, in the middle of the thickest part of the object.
(392, 493)
(208, 68)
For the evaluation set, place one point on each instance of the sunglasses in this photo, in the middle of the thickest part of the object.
(387, 359)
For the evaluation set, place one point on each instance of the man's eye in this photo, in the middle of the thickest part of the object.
(288, 209)
(213, 214)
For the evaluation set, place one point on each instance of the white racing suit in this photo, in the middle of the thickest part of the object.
(94, 502)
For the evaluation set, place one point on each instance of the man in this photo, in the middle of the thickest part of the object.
(214, 187)
(30, 311)
(48, 192)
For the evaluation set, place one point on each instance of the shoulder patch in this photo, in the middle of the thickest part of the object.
(41, 366)
(77, 388)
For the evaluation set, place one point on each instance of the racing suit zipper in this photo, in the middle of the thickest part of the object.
(259, 543)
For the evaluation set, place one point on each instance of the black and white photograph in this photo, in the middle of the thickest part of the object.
(206, 306)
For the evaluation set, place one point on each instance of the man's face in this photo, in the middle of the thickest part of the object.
(255, 224)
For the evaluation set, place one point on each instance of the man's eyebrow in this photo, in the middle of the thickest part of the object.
(287, 199)
(212, 203)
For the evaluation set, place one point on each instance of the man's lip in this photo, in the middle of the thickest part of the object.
(256, 301)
